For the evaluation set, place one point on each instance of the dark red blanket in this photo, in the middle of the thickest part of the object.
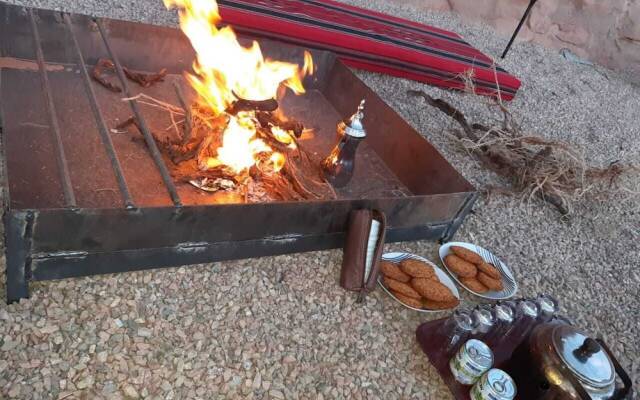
(372, 41)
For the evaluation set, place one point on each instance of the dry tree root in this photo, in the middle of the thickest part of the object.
(144, 79)
(99, 71)
(553, 171)
(300, 178)
(141, 78)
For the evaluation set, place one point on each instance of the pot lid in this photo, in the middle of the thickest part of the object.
(484, 316)
(584, 357)
(501, 383)
(529, 308)
(354, 126)
(504, 313)
(464, 322)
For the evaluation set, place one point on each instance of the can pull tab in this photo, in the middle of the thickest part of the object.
(589, 347)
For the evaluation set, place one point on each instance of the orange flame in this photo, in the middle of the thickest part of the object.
(283, 136)
(224, 68)
(278, 161)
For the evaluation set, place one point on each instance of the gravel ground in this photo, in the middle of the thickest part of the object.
(280, 327)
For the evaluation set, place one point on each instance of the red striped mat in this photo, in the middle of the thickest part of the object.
(373, 41)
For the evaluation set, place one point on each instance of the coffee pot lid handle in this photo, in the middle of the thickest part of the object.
(589, 347)
(354, 126)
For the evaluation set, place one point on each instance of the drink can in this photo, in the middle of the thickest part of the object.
(472, 360)
(495, 384)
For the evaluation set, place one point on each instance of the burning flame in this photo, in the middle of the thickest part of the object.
(278, 161)
(238, 147)
(283, 136)
(225, 69)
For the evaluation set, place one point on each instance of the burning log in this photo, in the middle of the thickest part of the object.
(267, 120)
(267, 136)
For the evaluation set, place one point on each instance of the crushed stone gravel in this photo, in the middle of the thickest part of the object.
(280, 327)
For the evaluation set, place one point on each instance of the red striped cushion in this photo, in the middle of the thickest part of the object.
(372, 41)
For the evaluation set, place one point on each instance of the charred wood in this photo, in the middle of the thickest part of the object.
(268, 105)
(267, 120)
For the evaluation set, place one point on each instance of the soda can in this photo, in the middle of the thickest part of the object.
(473, 359)
(495, 384)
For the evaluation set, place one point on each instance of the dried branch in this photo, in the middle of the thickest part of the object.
(447, 109)
(145, 79)
(551, 170)
(153, 102)
(187, 126)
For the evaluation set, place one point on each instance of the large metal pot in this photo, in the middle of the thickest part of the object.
(559, 362)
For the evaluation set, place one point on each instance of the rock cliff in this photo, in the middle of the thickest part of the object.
(604, 31)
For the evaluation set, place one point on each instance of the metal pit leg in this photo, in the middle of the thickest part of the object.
(466, 208)
(18, 234)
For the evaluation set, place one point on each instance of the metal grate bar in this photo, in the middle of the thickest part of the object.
(151, 144)
(69, 197)
(102, 126)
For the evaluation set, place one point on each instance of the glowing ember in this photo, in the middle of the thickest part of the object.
(225, 70)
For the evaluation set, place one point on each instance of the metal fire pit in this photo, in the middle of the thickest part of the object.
(82, 200)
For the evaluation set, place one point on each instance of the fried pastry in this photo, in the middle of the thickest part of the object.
(410, 301)
(489, 269)
(474, 285)
(393, 271)
(440, 305)
(432, 290)
(418, 269)
(401, 288)
(489, 282)
(460, 267)
(467, 254)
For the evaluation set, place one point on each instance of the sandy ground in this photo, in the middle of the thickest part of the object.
(280, 327)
